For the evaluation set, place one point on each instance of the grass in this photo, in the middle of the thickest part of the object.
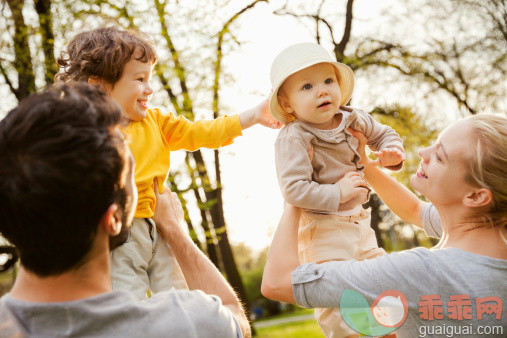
(298, 311)
(304, 329)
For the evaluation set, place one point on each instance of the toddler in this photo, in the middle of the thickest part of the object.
(317, 162)
(122, 63)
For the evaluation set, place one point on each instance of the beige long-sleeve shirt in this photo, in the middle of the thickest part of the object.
(313, 185)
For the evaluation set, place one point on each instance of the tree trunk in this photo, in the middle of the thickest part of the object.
(23, 59)
(43, 8)
(375, 218)
(217, 217)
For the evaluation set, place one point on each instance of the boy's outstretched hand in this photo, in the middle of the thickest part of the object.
(259, 115)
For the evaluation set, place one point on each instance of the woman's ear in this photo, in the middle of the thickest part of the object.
(111, 221)
(478, 198)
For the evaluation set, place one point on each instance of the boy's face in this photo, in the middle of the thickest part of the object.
(133, 90)
(312, 94)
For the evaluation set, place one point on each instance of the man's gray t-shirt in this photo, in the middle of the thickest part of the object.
(174, 313)
(432, 274)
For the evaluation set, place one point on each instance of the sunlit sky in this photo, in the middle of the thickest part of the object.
(252, 200)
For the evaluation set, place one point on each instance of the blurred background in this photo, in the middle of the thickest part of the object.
(418, 64)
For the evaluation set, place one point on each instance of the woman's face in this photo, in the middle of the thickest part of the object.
(441, 174)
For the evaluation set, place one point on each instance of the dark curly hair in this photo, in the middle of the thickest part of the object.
(63, 162)
(102, 53)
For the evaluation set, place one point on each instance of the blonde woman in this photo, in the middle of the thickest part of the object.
(459, 284)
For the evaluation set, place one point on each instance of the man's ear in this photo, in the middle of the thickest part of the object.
(111, 221)
(478, 198)
(284, 103)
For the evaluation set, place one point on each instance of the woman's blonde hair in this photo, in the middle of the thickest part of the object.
(487, 167)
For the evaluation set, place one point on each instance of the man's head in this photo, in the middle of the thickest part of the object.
(298, 63)
(118, 60)
(65, 166)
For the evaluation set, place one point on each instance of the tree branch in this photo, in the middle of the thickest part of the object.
(7, 80)
(23, 59)
(122, 11)
(167, 88)
(340, 48)
(218, 69)
(43, 8)
(179, 69)
(316, 17)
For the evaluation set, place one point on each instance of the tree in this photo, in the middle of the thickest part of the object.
(459, 50)
(17, 68)
(461, 58)
(189, 68)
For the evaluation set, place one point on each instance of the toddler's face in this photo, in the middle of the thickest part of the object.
(133, 90)
(312, 94)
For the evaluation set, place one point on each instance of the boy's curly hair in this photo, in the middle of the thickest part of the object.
(102, 53)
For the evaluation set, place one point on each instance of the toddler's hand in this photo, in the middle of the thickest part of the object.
(351, 185)
(390, 157)
(361, 147)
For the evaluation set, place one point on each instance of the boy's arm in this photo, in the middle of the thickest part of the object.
(259, 115)
(180, 133)
(199, 271)
(394, 194)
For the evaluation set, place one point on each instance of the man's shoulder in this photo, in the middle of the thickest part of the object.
(118, 314)
(202, 313)
(195, 305)
(8, 323)
(183, 298)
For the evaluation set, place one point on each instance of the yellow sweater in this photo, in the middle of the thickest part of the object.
(152, 139)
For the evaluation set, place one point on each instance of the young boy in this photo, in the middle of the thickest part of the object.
(122, 63)
(317, 161)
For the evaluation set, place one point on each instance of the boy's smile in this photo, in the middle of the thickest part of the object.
(133, 91)
(312, 95)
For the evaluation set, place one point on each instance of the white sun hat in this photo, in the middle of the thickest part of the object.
(298, 57)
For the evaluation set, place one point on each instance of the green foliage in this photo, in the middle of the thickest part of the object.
(251, 267)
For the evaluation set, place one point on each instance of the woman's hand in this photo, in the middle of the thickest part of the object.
(361, 149)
